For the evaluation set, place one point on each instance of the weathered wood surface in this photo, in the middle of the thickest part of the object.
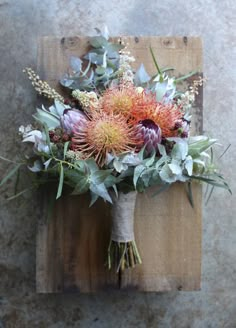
(71, 248)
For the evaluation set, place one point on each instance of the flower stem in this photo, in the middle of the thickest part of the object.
(123, 255)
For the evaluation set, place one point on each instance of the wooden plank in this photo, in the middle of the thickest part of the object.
(71, 248)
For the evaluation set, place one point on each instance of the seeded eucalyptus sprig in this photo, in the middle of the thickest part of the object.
(97, 68)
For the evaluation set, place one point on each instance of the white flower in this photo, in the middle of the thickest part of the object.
(38, 139)
(24, 130)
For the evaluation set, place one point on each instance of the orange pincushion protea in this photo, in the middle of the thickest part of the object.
(105, 133)
(121, 100)
(165, 116)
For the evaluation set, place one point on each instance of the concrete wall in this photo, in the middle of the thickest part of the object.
(21, 23)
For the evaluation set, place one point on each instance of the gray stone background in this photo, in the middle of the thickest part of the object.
(21, 23)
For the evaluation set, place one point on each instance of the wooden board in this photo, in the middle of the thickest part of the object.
(71, 248)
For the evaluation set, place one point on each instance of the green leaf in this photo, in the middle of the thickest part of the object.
(212, 182)
(166, 69)
(162, 149)
(82, 185)
(85, 72)
(92, 165)
(137, 173)
(188, 164)
(147, 175)
(101, 191)
(110, 181)
(225, 151)
(184, 77)
(180, 150)
(162, 160)
(10, 174)
(141, 153)
(61, 180)
(8, 160)
(115, 190)
(155, 62)
(46, 131)
(100, 70)
(131, 159)
(210, 194)
(161, 189)
(94, 198)
(98, 41)
(199, 144)
(119, 166)
(141, 76)
(175, 168)
(66, 145)
(113, 49)
(17, 182)
(75, 64)
(19, 194)
(47, 118)
(190, 193)
(100, 176)
(149, 161)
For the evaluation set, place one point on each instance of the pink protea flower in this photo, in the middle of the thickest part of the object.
(164, 116)
(73, 118)
(150, 134)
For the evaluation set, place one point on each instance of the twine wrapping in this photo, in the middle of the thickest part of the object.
(123, 217)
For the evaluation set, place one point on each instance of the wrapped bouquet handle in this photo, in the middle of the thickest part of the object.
(122, 251)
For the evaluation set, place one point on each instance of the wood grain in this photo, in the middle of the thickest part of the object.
(71, 248)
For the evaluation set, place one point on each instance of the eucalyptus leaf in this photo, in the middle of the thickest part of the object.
(66, 145)
(131, 159)
(47, 118)
(189, 165)
(100, 176)
(19, 194)
(47, 163)
(147, 176)
(190, 193)
(58, 108)
(180, 149)
(10, 174)
(66, 81)
(101, 191)
(119, 166)
(175, 168)
(137, 173)
(141, 76)
(75, 64)
(161, 189)
(94, 198)
(92, 165)
(162, 149)
(37, 166)
(113, 49)
(61, 180)
(82, 184)
(98, 41)
(167, 175)
(149, 161)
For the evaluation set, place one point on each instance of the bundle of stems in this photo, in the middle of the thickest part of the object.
(123, 255)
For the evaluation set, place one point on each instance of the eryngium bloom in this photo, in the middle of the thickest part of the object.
(150, 134)
(105, 133)
(73, 118)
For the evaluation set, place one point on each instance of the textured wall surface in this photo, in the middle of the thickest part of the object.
(21, 23)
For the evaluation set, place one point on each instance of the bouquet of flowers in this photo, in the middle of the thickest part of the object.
(116, 133)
